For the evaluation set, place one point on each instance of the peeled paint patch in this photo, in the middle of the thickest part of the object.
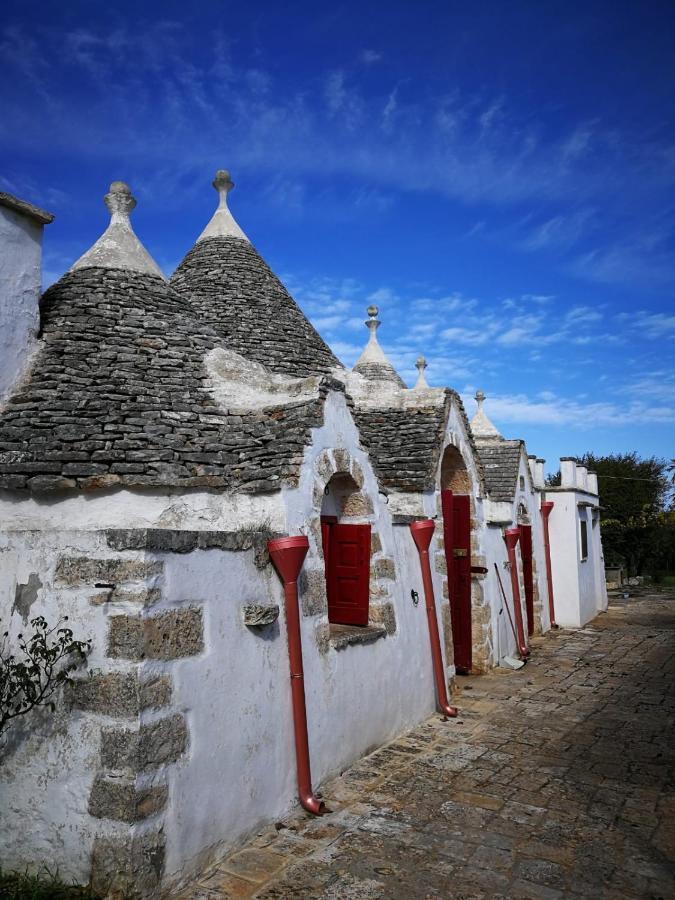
(241, 385)
(25, 596)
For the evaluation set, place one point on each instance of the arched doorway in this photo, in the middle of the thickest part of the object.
(456, 509)
(346, 550)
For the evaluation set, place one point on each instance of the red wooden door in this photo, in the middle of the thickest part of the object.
(457, 538)
(348, 574)
(526, 556)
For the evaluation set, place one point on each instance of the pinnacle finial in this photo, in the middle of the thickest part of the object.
(222, 182)
(421, 365)
(222, 223)
(118, 247)
(372, 322)
(481, 426)
(119, 200)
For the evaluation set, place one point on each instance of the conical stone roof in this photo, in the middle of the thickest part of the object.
(119, 394)
(229, 286)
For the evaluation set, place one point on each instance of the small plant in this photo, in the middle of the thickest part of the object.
(46, 885)
(43, 664)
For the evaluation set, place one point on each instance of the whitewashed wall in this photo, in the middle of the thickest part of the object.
(578, 585)
(48, 769)
(20, 285)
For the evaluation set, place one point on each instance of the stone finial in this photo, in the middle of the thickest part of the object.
(421, 383)
(222, 222)
(373, 363)
(118, 247)
(119, 200)
(481, 426)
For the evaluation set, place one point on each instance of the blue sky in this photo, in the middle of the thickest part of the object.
(498, 177)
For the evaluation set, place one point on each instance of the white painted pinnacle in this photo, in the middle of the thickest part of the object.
(118, 247)
(373, 363)
(421, 383)
(222, 222)
(481, 426)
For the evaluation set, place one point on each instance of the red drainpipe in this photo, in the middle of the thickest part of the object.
(511, 536)
(422, 533)
(546, 508)
(288, 555)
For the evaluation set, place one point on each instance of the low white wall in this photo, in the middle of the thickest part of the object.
(20, 285)
(50, 761)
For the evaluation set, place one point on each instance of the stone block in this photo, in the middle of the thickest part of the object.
(447, 634)
(155, 692)
(257, 615)
(122, 800)
(113, 694)
(383, 614)
(324, 466)
(130, 866)
(343, 461)
(357, 473)
(312, 591)
(76, 570)
(174, 634)
(375, 543)
(162, 742)
(383, 568)
(357, 504)
(171, 634)
(440, 563)
(322, 637)
(126, 637)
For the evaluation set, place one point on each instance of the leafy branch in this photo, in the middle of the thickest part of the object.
(44, 663)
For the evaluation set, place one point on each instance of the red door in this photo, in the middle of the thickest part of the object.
(348, 574)
(457, 539)
(526, 556)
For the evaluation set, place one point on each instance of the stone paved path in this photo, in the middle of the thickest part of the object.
(556, 781)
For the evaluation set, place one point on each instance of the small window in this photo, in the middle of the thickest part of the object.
(521, 482)
(584, 539)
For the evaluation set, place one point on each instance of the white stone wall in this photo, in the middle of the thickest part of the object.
(20, 285)
(578, 585)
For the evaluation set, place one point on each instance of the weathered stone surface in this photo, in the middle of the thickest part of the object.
(155, 692)
(175, 633)
(120, 799)
(383, 614)
(342, 636)
(119, 396)
(128, 866)
(357, 504)
(167, 635)
(112, 693)
(256, 614)
(126, 637)
(375, 543)
(383, 568)
(73, 570)
(312, 591)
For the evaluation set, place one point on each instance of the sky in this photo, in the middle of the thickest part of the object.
(498, 178)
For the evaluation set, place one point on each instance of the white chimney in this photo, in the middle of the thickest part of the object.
(592, 480)
(532, 463)
(540, 480)
(568, 472)
(21, 226)
(582, 481)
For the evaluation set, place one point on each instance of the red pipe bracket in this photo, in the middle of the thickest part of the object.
(288, 555)
(422, 532)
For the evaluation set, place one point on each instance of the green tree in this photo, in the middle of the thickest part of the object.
(636, 504)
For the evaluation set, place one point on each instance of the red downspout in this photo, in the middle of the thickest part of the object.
(546, 508)
(288, 555)
(421, 533)
(511, 536)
